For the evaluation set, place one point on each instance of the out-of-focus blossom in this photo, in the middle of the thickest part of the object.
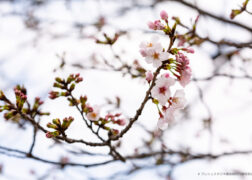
(188, 50)
(153, 52)
(183, 69)
(177, 102)
(185, 76)
(94, 114)
(156, 25)
(156, 56)
(161, 91)
(164, 15)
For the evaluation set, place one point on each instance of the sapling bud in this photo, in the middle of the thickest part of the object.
(53, 126)
(8, 115)
(56, 121)
(114, 132)
(2, 96)
(72, 87)
(49, 135)
(53, 94)
(79, 79)
(66, 122)
(155, 101)
(58, 79)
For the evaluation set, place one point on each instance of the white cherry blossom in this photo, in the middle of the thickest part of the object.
(161, 90)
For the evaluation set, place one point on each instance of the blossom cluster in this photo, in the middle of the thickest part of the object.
(92, 113)
(176, 64)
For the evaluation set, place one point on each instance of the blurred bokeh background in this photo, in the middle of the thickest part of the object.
(42, 39)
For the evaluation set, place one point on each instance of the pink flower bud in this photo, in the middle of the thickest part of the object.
(118, 114)
(151, 25)
(49, 135)
(64, 160)
(41, 102)
(121, 122)
(164, 15)
(188, 50)
(149, 76)
(159, 25)
(79, 79)
(53, 95)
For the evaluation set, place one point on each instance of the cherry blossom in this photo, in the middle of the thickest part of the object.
(177, 102)
(149, 76)
(156, 25)
(156, 56)
(165, 120)
(164, 15)
(153, 52)
(161, 91)
(188, 50)
(183, 69)
(185, 77)
(94, 114)
(152, 44)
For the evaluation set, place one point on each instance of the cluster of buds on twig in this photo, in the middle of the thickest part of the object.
(163, 24)
(243, 8)
(14, 110)
(108, 40)
(59, 127)
(20, 93)
(67, 85)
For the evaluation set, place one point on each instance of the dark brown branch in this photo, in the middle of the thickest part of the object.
(140, 109)
(30, 156)
(203, 12)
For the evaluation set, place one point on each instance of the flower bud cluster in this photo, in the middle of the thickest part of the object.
(59, 127)
(68, 85)
(20, 93)
(14, 110)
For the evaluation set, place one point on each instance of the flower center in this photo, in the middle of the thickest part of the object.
(149, 45)
(155, 56)
(162, 90)
(175, 100)
(93, 115)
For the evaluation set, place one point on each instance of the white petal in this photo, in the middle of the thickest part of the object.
(180, 93)
(158, 47)
(162, 100)
(162, 124)
(157, 63)
(149, 59)
(164, 56)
